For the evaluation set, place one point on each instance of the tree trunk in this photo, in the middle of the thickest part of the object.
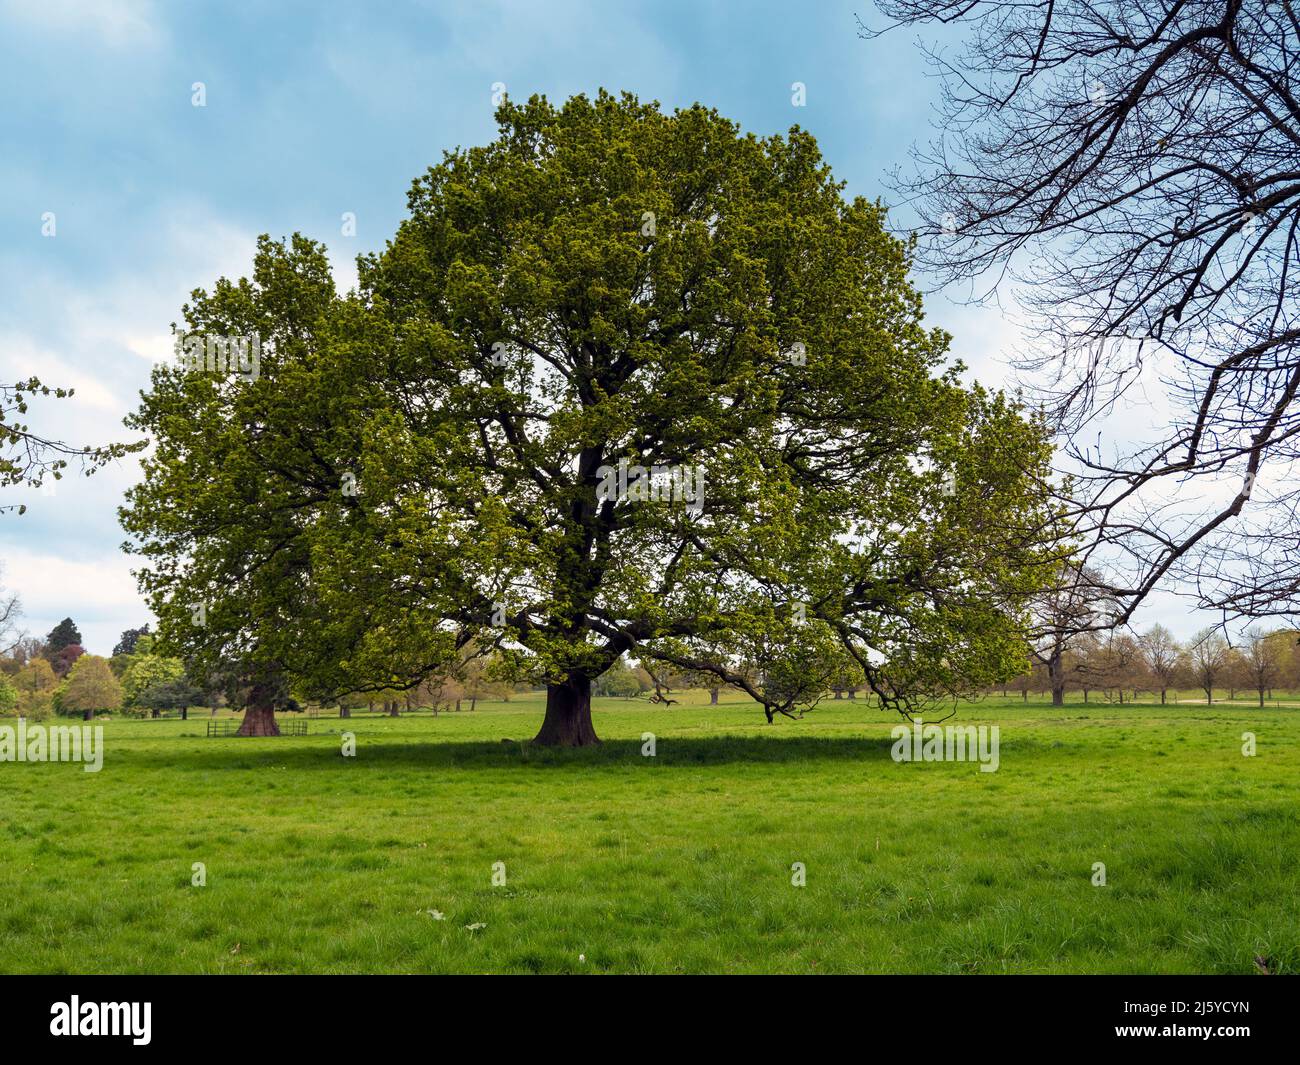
(473, 701)
(259, 721)
(458, 706)
(568, 714)
(1056, 675)
(185, 713)
(344, 711)
(1162, 696)
(87, 715)
(392, 709)
(713, 696)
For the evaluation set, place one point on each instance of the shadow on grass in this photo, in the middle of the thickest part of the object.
(311, 754)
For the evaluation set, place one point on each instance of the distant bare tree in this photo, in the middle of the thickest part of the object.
(1076, 604)
(1209, 657)
(1132, 171)
(11, 609)
(1161, 653)
(1265, 661)
(1115, 664)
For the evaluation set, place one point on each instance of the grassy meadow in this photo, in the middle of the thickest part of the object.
(619, 863)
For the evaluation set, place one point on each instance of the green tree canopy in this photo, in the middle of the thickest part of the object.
(89, 687)
(64, 634)
(435, 459)
(619, 681)
(35, 677)
(174, 694)
(126, 644)
(147, 671)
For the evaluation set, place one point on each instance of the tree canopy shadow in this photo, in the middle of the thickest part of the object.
(678, 752)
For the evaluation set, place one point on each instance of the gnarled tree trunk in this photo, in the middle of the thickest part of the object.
(568, 714)
(259, 721)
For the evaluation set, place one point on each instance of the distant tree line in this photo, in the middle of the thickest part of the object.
(1119, 666)
(54, 675)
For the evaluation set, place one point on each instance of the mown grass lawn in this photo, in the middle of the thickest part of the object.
(677, 863)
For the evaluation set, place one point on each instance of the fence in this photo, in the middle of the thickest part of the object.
(231, 728)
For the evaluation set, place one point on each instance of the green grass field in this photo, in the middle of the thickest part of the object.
(615, 862)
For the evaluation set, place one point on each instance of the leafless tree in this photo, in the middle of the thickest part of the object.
(1160, 652)
(1131, 171)
(1209, 656)
(11, 609)
(1115, 664)
(1072, 606)
(1265, 656)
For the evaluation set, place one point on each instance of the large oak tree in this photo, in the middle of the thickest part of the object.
(421, 467)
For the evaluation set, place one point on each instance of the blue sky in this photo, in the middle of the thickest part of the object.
(313, 110)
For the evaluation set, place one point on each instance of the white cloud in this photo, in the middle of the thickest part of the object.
(99, 338)
(23, 357)
(344, 268)
(83, 337)
(154, 347)
(984, 336)
(98, 594)
(117, 23)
